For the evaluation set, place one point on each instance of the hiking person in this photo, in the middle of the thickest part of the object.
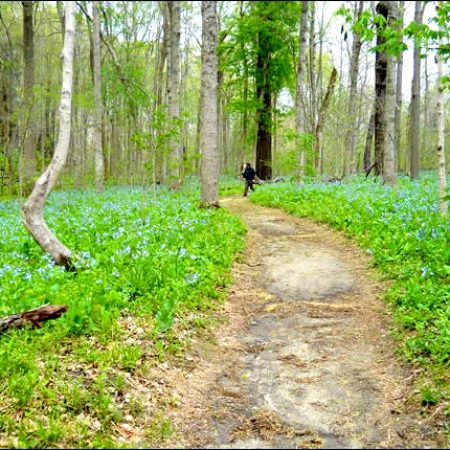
(249, 175)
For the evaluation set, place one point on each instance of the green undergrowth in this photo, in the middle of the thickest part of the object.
(231, 186)
(150, 269)
(410, 243)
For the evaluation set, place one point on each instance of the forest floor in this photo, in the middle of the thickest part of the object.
(305, 359)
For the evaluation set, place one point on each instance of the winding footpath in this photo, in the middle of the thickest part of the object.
(305, 359)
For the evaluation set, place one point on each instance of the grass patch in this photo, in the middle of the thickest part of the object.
(148, 272)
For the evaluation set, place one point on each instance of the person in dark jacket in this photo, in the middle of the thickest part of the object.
(249, 176)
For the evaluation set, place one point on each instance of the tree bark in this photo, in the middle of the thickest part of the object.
(415, 99)
(321, 119)
(209, 140)
(300, 127)
(440, 119)
(389, 174)
(382, 8)
(398, 90)
(369, 142)
(33, 317)
(173, 93)
(264, 111)
(98, 144)
(33, 209)
(27, 164)
(354, 69)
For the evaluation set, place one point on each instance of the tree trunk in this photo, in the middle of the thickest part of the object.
(369, 142)
(33, 209)
(415, 100)
(173, 91)
(98, 145)
(398, 90)
(321, 119)
(300, 127)
(440, 119)
(382, 8)
(354, 69)
(27, 165)
(389, 175)
(312, 69)
(32, 317)
(209, 141)
(264, 111)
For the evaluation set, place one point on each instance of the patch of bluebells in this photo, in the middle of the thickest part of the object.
(126, 244)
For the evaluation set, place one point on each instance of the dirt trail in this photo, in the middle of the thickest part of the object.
(305, 360)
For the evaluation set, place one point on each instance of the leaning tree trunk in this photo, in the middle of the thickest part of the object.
(415, 99)
(321, 119)
(440, 119)
(299, 99)
(27, 162)
(98, 146)
(389, 175)
(33, 209)
(209, 142)
(350, 163)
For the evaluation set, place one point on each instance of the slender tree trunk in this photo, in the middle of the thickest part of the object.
(27, 165)
(175, 161)
(350, 163)
(243, 153)
(389, 175)
(209, 141)
(415, 100)
(98, 145)
(312, 68)
(398, 90)
(426, 102)
(321, 119)
(299, 98)
(264, 112)
(382, 8)
(33, 209)
(369, 142)
(164, 60)
(440, 119)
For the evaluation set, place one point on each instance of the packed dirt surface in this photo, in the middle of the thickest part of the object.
(305, 359)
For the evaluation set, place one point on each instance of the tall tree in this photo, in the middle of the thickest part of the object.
(350, 163)
(399, 85)
(389, 174)
(321, 119)
(367, 164)
(209, 109)
(300, 125)
(27, 164)
(98, 145)
(264, 90)
(33, 209)
(173, 91)
(382, 9)
(415, 99)
(440, 119)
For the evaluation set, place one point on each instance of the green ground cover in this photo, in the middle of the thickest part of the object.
(409, 241)
(146, 263)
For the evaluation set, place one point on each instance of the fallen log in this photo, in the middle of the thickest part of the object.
(32, 318)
